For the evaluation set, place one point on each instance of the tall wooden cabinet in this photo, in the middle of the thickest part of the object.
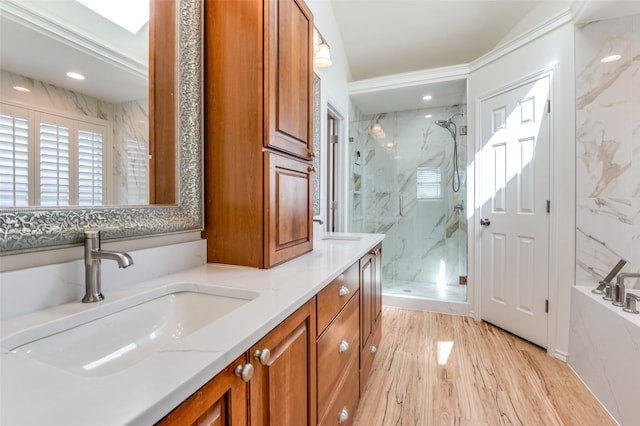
(258, 82)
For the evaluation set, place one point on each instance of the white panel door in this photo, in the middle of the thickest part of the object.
(514, 190)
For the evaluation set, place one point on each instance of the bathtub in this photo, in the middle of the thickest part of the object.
(604, 351)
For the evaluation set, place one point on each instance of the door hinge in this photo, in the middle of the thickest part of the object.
(546, 306)
(334, 205)
(334, 139)
(549, 105)
(548, 206)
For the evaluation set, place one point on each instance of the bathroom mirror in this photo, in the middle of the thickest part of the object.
(29, 228)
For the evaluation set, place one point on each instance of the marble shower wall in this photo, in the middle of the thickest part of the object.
(426, 239)
(607, 148)
(129, 122)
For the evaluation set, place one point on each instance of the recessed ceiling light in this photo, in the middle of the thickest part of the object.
(75, 75)
(611, 58)
(427, 97)
(428, 116)
(21, 89)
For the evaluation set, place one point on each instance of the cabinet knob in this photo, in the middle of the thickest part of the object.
(262, 356)
(344, 415)
(343, 291)
(312, 154)
(374, 349)
(312, 169)
(344, 346)
(244, 371)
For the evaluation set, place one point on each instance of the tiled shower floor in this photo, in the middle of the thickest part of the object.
(450, 293)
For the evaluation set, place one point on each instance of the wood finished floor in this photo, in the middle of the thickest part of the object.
(436, 369)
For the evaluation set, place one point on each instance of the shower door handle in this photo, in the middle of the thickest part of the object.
(485, 222)
(401, 202)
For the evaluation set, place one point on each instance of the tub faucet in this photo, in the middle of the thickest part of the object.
(617, 289)
(93, 254)
(610, 276)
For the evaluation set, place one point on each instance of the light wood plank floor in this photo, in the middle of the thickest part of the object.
(436, 369)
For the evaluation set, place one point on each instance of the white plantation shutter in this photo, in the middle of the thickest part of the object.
(137, 172)
(14, 161)
(90, 167)
(50, 160)
(54, 165)
(429, 183)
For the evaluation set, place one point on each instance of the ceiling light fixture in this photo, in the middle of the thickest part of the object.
(21, 89)
(321, 53)
(428, 116)
(611, 58)
(427, 97)
(75, 75)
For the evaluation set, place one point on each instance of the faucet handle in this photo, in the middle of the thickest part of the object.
(630, 305)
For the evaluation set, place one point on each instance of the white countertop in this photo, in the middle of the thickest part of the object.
(35, 393)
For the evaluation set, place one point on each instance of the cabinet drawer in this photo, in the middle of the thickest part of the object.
(337, 348)
(343, 406)
(334, 296)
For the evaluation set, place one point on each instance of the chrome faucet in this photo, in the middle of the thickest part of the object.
(92, 256)
(630, 306)
(617, 289)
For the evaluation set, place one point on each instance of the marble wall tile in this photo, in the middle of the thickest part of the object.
(423, 242)
(607, 147)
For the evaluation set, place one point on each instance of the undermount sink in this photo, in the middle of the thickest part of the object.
(341, 238)
(140, 327)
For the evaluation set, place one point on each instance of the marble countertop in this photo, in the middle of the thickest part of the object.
(33, 393)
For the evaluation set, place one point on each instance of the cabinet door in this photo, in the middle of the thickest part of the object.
(283, 387)
(289, 229)
(370, 312)
(289, 76)
(221, 402)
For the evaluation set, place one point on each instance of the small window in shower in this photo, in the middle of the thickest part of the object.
(429, 183)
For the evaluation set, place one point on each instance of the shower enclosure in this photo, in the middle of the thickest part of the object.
(405, 184)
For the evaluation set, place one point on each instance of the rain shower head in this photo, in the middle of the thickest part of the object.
(442, 123)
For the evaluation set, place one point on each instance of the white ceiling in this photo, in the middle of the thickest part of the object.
(389, 37)
(43, 39)
(396, 36)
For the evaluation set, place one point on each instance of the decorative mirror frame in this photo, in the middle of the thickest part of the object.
(35, 228)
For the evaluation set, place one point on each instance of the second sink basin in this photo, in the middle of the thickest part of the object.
(117, 340)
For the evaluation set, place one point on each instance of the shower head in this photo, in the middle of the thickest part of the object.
(442, 123)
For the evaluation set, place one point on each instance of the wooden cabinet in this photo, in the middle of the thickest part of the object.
(338, 345)
(258, 131)
(370, 310)
(309, 370)
(220, 402)
(282, 390)
(289, 208)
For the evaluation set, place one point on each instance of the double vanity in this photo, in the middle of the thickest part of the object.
(138, 355)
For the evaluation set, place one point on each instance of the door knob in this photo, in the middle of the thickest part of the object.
(485, 222)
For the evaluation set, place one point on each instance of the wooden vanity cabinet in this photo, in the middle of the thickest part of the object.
(370, 310)
(258, 89)
(338, 346)
(220, 402)
(282, 390)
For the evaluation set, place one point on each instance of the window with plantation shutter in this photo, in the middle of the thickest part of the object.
(50, 160)
(429, 183)
(14, 161)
